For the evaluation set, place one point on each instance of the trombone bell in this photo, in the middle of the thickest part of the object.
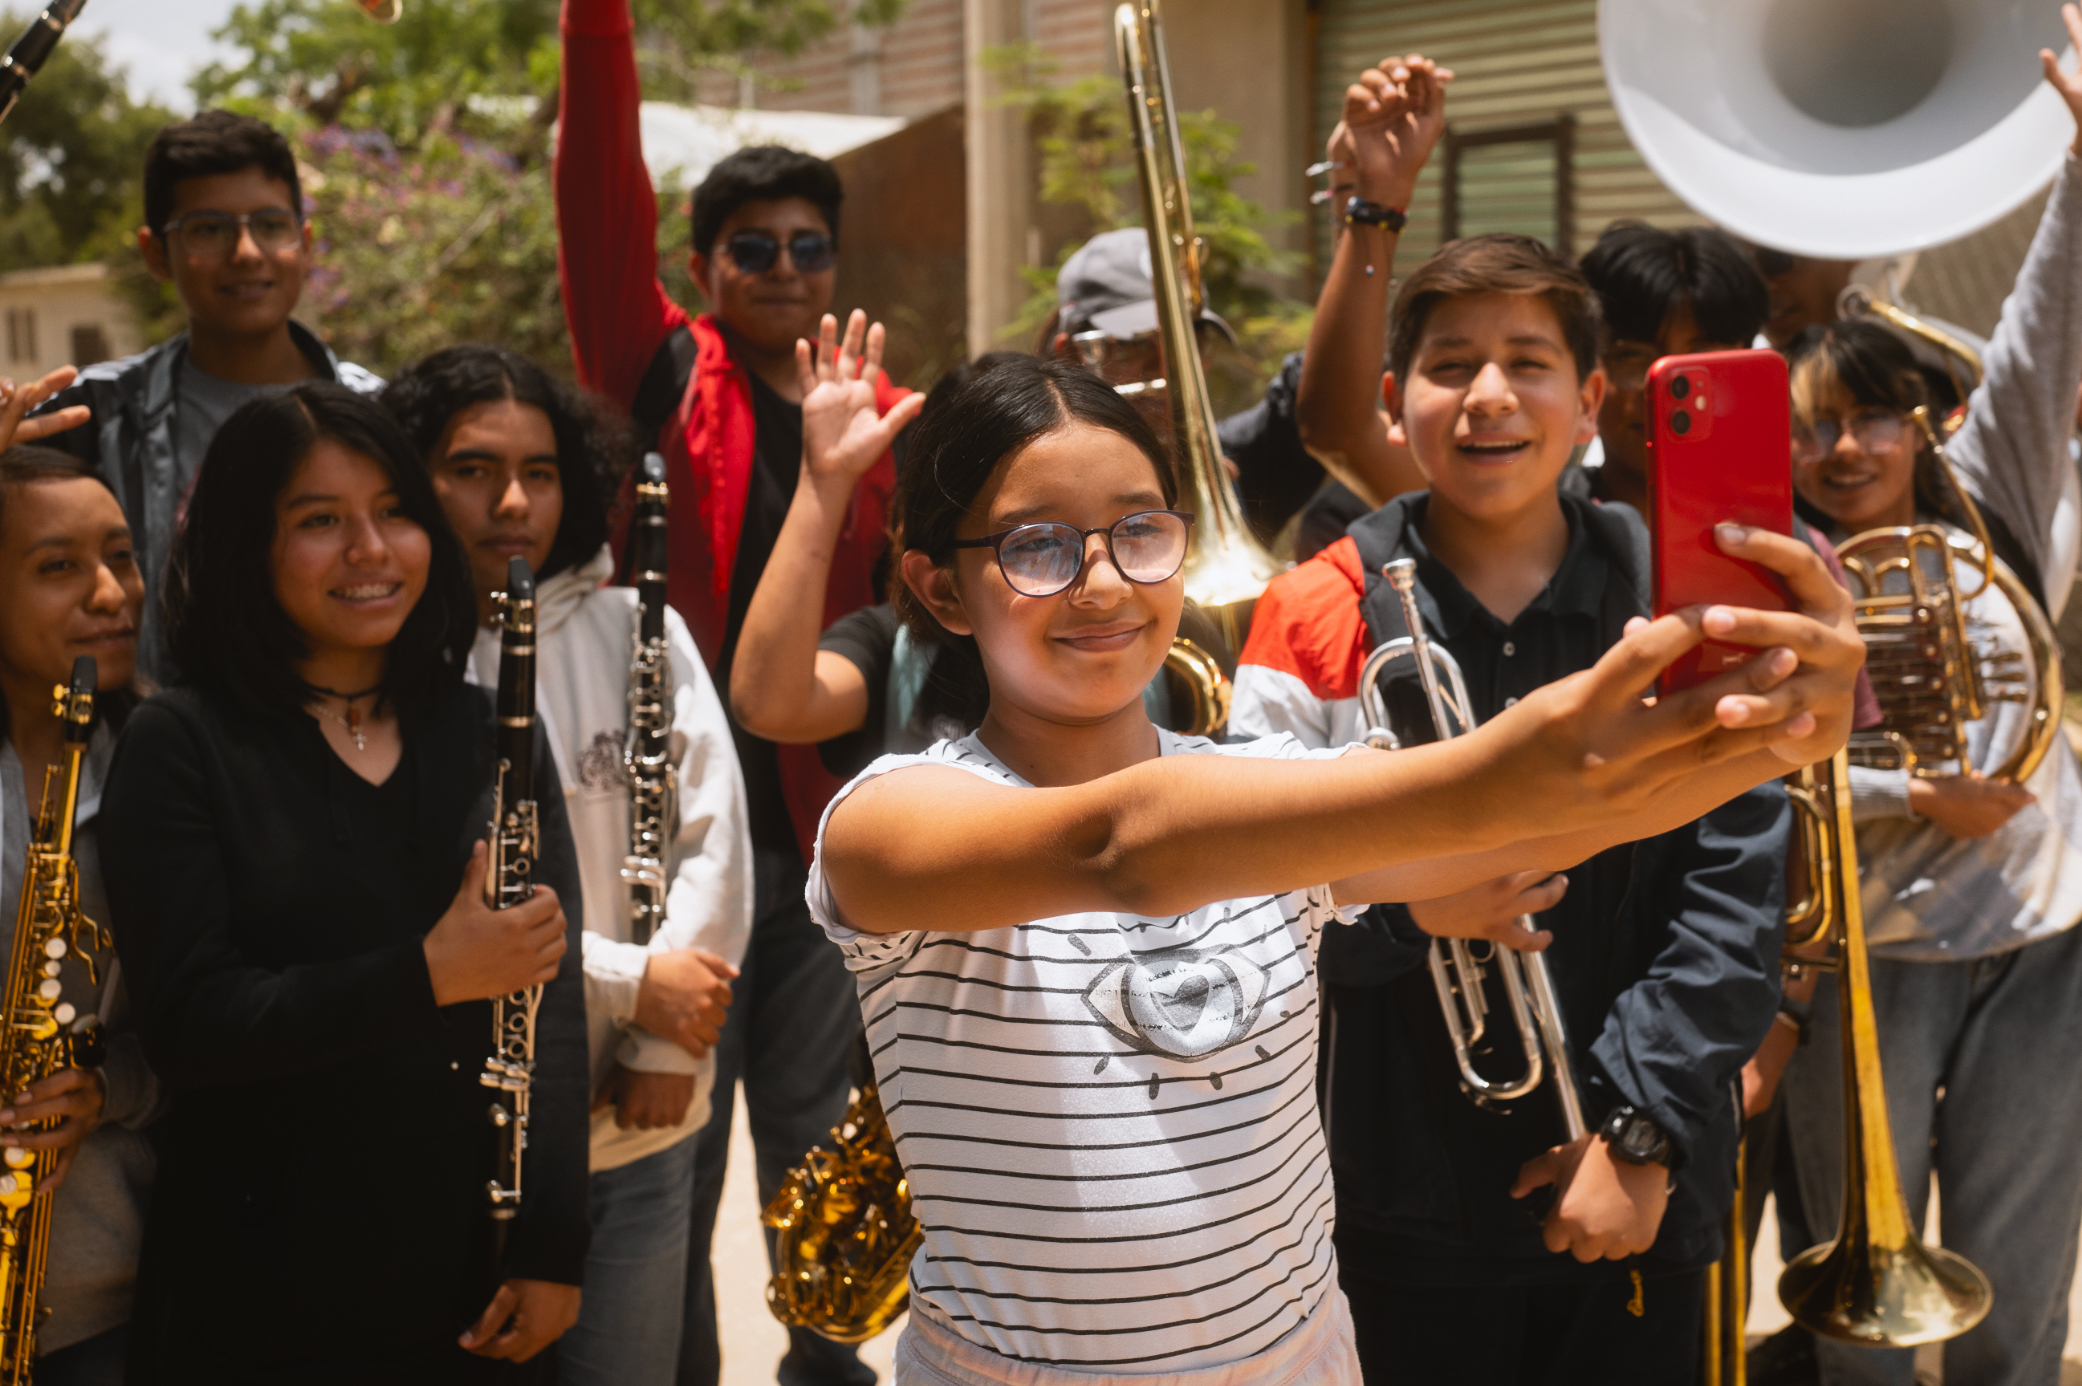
(1877, 1284)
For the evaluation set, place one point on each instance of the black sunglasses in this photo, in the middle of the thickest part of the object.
(1041, 560)
(755, 252)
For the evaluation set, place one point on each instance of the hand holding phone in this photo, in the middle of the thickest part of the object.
(1719, 449)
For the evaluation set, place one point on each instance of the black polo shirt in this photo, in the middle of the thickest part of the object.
(1557, 634)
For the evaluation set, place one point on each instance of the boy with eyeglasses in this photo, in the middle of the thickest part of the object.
(719, 395)
(224, 225)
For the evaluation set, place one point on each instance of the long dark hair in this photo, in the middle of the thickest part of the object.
(27, 464)
(226, 628)
(593, 446)
(964, 435)
(1875, 368)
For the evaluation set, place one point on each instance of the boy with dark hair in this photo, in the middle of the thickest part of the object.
(1663, 293)
(224, 224)
(720, 397)
(1664, 952)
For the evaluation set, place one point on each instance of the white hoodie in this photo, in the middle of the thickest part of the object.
(585, 634)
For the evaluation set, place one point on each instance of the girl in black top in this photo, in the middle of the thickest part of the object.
(292, 841)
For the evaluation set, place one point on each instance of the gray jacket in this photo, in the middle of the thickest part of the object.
(1931, 897)
(132, 439)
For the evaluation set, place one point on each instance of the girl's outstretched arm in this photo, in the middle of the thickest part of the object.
(937, 848)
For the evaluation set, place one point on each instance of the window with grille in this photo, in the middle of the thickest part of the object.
(1515, 178)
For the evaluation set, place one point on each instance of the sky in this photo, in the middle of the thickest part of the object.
(161, 42)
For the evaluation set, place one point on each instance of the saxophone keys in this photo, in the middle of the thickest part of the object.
(19, 1158)
(54, 948)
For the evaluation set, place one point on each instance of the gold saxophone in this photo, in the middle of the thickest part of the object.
(846, 1233)
(44, 1033)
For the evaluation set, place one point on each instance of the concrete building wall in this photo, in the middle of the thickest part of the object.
(65, 315)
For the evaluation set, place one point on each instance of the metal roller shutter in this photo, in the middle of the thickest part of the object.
(1519, 67)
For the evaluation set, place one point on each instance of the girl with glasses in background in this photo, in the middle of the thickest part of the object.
(1085, 946)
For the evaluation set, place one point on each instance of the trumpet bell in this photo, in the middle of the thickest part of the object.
(1881, 1296)
(1845, 129)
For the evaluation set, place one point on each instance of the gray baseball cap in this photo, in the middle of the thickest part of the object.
(1106, 282)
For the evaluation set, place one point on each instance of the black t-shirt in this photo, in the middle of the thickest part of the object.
(777, 464)
(1275, 475)
(950, 699)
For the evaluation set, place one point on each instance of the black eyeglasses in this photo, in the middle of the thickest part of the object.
(1041, 560)
(216, 234)
(754, 252)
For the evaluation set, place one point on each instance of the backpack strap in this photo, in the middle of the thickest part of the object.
(664, 385)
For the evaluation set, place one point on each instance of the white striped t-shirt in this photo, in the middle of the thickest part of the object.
(1109, 1122)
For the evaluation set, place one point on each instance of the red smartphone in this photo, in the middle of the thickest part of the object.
(1719, 448)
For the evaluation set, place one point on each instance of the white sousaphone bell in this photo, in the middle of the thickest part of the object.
(1842, 129)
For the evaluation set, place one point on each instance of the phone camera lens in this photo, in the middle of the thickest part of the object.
(1680, 386)
(1680, 423)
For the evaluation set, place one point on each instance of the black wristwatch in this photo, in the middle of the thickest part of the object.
(1635, 1138)
(1361, 212)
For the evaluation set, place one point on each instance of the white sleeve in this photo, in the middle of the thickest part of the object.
(2012, 451)
(1268, 702)
(708, 904)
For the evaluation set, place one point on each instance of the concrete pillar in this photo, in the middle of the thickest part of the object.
(1249, 61)
(1000, 176)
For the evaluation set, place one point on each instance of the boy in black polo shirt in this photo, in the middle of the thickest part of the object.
(1479, 1245)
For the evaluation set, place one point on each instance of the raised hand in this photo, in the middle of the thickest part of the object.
(2068, 84)
(17, 400)
(1394, 115)
(842, 435)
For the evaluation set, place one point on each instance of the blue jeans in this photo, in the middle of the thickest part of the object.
(1999, 1036)
(792, 1021)
(95, 1361)
(628, 1329)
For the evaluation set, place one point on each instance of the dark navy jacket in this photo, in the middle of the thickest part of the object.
(1665, 957)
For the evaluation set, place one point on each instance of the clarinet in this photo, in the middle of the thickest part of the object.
(515, 845)
(646, 755)
(26, 58)
(44, 1032)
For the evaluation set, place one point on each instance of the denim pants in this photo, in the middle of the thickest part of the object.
(1999, 1036)
(793, 1018)
(628, 1329)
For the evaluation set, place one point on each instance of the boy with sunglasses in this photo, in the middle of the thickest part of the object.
(1480, 1243)
(719, 396)
(224, 225)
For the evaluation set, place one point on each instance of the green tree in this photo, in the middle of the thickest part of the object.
(71, 158)
(1087, 166)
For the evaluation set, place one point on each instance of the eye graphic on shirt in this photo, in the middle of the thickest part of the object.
(1185, 1002)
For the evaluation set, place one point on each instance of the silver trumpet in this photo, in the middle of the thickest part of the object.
(1457, 971)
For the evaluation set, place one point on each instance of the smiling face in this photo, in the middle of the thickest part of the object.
(1083, 655)
(775, 307)
(1860, 488)
(497, 476)
(248, 291)
(72, 582)
(349, 564)
(1492, 407)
